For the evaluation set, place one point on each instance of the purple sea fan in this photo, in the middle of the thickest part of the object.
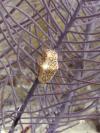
(71, 28)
